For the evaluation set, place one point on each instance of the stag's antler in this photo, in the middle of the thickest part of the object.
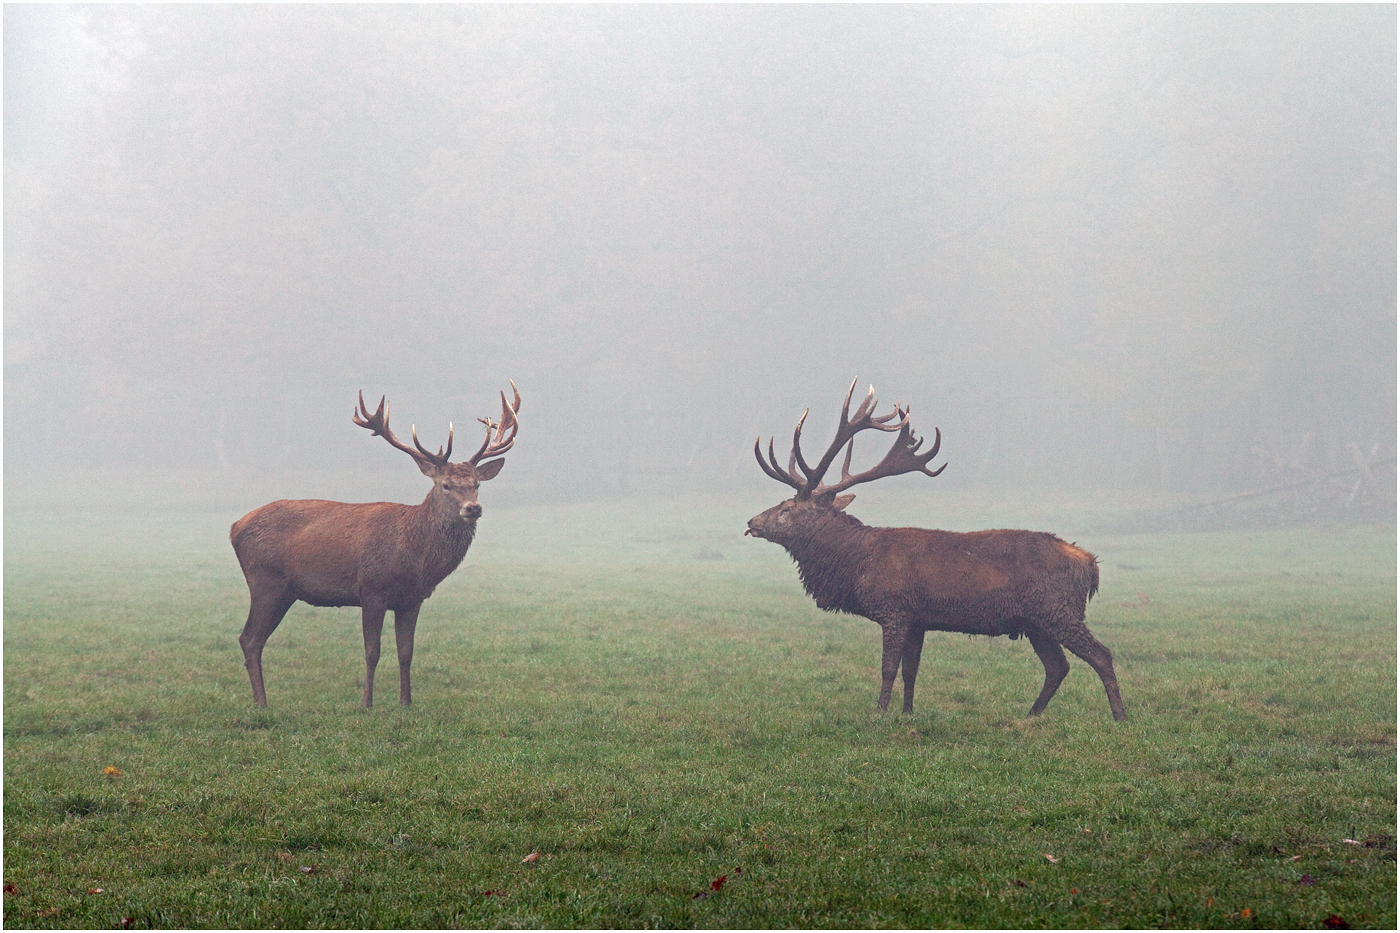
(378, 423)
(495, 446)
(903, 457)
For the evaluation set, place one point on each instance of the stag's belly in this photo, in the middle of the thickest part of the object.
(973, 621)
(998, 612)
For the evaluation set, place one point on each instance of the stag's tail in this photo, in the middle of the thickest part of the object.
(1083, 571)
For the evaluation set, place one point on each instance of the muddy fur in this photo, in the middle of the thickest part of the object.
(914, 580)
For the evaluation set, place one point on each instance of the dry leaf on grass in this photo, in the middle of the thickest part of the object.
(532, 857)
(717, 884)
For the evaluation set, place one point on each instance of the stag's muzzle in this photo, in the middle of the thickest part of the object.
(471, 511)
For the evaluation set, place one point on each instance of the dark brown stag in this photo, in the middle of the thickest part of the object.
(376, 555)
(913, 580)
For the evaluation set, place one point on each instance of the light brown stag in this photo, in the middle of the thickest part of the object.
(379, 556)
(914, 580)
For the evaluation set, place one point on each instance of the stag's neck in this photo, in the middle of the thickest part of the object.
(446, 533)
(828, 560)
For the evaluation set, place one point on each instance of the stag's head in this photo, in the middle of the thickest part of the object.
(455, 485)
(816, 504)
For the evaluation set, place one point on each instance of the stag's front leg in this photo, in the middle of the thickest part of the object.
(405, 621)
(372, 621)
(894, 635)
(913, 650)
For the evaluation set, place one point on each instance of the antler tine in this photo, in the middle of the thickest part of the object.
(441, 457)
(497, 444)
(378, 424)
(773, 471)
(796, 459)
(850, 426)
(365, 420)
(867, 405)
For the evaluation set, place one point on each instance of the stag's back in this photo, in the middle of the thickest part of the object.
(1003, 573)
(330, 553)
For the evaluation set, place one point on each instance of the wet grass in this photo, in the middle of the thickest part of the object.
(650, 702)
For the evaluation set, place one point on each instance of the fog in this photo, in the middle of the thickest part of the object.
(1141, 250)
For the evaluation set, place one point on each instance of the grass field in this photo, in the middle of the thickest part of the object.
(650, 702)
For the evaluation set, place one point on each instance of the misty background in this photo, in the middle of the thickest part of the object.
(1143, 251)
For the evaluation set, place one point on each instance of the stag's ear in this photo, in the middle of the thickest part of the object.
(840, 502)
(489, 469)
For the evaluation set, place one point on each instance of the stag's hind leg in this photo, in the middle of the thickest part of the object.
(1083, 643)
(1056, 666)
(268, 607)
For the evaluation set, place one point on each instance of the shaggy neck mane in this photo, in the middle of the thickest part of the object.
(824, 557)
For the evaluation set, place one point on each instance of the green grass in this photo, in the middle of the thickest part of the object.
(649, 701)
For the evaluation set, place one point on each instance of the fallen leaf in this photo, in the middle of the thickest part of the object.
(493, 893)
(1352, 842)
(1307, 881)
(1074, 890)
(1294, 858)
(1019, 810)
(94, 890)
(1246, 913)
(1051, 858)
(49, 912)
(309, 869)
(532, 857)
(717, 884)
(128, 922)
(1086, 831)
(111, 771)
(1334, 922)
(9, 889)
